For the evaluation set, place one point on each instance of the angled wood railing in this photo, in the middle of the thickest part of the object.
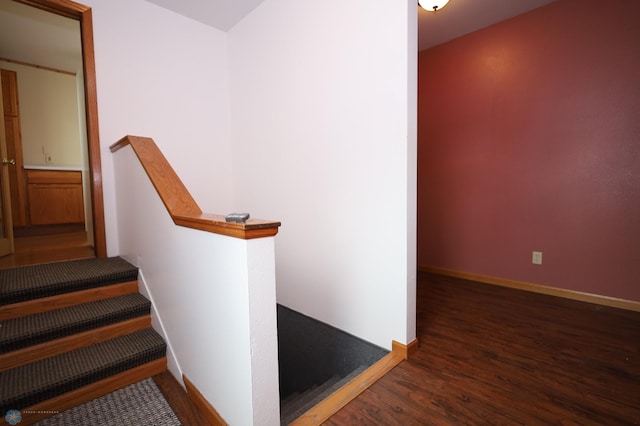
(180, 204)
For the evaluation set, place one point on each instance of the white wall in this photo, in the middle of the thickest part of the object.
(163, 76)
(48, 116)
(323, 129)
(166, 77)
(213, 298)
(322, 133)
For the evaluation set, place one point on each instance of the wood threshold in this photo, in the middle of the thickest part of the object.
(64, 300)
(48, 408)
(205, 408)
(68, 343)
(339, 399)
(181, 206)
(612, 302)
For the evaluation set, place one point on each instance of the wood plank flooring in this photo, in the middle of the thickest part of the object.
(33, 250)
(496, 356)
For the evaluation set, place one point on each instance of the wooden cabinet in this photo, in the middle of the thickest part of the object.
(54, 197)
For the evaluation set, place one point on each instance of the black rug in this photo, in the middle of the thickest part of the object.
(140, 404)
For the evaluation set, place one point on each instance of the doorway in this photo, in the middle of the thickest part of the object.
(93, 193)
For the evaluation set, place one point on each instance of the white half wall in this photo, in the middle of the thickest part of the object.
(163, 76)
(214, 300)
(323, 99)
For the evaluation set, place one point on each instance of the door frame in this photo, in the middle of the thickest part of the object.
(6, 241)
(83, 14)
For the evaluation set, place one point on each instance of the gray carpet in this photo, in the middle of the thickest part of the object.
(41, 380)
(41, 327)
(49, 279)
(140, 404)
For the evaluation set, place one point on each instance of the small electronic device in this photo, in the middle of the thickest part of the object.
(237, 217)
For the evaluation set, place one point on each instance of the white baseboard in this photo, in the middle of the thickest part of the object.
(158, 326)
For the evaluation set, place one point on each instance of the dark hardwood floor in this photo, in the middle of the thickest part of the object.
(36, 249)
(496, 356)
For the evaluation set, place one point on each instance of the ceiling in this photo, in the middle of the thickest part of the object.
(60, 49)
(461, 17)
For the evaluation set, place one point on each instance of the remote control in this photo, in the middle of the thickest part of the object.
(237, 217)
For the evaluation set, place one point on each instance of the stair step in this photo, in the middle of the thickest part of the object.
(42, 380)
(44, 304)
(294, 407)
(87, 393)
(35, 281)
(78, 340)
(292, 404)
(38, 328)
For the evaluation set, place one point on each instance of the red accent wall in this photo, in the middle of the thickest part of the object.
(529, 139)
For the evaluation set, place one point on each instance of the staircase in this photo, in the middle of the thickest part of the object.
(296, 404)
(315, 360)
(71, 332)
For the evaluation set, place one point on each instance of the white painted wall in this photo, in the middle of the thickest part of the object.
(323, 130)
(163, 76)
(213, 296)
(166, 77)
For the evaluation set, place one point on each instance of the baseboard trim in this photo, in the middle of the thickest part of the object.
(202, 404)
(158, 325)
(613, 302)
(347, 393)
(407, 351)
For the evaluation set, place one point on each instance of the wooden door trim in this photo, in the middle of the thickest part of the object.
(83, 14)
(6, 242)
(14, 148)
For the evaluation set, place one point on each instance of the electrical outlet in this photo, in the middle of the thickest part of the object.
(536, 258)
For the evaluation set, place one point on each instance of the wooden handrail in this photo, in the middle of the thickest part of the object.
(180, 204)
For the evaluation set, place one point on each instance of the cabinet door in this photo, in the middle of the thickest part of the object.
(55, 204)
(55, 197)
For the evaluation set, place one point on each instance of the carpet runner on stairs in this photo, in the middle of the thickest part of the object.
(51, 351)
(37, 328)
(139, 404)
(29, 384)
(31, 282)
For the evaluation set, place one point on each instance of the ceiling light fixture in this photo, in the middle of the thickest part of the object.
(432, 5)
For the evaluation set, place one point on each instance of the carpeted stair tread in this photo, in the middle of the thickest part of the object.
(292, 404)
(29, 384)
(35, 281)
(41, 327)
(139, 404)
(292, 408)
